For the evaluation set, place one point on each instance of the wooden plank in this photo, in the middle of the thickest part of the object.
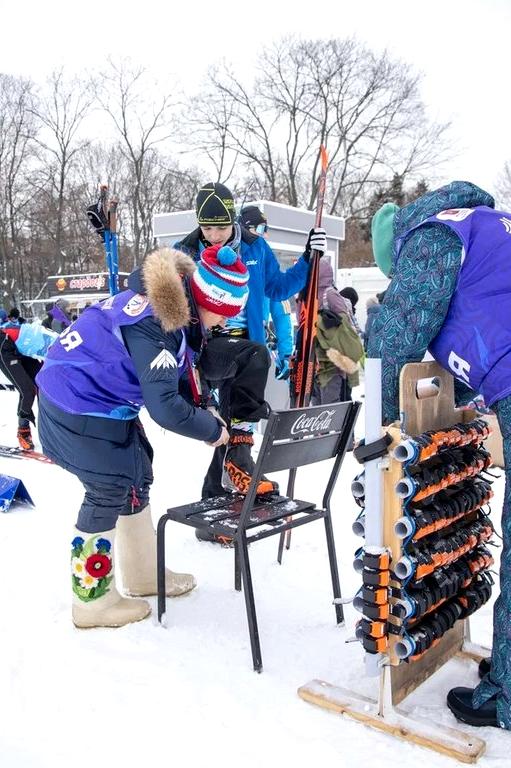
(408, 676)
(439, 738)
(419, 415)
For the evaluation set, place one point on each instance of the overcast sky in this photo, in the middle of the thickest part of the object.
(461, 47)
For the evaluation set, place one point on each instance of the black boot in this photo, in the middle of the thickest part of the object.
(239, 465)
(484, 667)
(214, 538)
(459, 701)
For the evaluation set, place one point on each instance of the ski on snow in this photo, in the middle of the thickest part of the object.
(13, 452)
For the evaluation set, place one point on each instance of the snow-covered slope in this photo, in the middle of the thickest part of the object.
(186, 695)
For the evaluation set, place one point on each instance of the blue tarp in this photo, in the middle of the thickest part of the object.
(12, 490)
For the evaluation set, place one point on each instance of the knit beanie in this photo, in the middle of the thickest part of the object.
(220, 282)
(350, 294)
(382, 233)
(215, 205)
(251, 216)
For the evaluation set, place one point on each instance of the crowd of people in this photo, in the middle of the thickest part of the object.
(190, 339)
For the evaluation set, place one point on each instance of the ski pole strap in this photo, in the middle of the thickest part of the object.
(373, 450)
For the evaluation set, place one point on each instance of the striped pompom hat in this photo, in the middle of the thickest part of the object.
(220, 282)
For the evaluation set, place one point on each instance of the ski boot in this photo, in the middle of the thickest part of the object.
(239, 465)
(214, 538)
(25, 439)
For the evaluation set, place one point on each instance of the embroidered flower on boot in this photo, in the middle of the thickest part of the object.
(90, 565)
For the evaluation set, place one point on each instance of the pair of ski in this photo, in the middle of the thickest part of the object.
(13, 452)
(303, 361)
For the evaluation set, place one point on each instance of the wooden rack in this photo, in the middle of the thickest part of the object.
(398, 680)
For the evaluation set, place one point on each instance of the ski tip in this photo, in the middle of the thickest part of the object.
(324, 157)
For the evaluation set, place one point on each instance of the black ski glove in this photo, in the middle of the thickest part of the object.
(97, 218)
(315, 242)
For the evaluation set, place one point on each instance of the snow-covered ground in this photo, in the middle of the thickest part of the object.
(187, 695)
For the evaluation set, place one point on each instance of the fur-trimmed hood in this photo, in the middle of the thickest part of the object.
(160, 278)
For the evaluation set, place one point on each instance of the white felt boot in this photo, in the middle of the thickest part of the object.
(96, 601)
(136, 539)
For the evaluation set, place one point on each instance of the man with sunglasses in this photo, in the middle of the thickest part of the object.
(236, 356)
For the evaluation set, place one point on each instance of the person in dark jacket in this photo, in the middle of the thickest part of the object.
(21, 370)
(136, 348)
(237, 356)
(336, 343)
(449, 258)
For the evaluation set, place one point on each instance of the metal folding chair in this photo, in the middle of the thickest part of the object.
(292, 438)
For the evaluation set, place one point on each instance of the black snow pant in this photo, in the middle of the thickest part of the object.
(239, 369)
(336, 391)
(111, 458)
(21, 371)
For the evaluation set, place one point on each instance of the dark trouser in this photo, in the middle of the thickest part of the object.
(498, 681)
(239, 368)
(337, 390)
(21, 371)
(102, 504)
(111, 458)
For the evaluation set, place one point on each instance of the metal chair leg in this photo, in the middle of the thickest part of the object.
(237, 570)
(334, 570)
(250, 605)
(160, 564)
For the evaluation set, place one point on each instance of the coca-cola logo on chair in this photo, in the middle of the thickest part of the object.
(320, 423)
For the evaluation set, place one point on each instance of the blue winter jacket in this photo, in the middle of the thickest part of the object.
(266, 277)
(280, 314)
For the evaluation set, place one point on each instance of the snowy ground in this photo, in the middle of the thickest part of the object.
(186, 695)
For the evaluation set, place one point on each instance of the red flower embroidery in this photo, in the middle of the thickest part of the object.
(98, 566)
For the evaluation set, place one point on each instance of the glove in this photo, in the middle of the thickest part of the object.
(282, 369)
(315, 242)
(222, 440)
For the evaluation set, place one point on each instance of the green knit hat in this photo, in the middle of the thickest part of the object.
(382, 234)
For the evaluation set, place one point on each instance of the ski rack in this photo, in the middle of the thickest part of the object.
(397, 679)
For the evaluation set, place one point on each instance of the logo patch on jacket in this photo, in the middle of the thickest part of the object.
(164, 359)
(454, 214)
(136, 305)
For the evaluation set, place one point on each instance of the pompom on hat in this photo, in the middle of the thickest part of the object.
(220, 282)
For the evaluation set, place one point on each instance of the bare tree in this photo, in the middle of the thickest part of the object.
(17, 133)
(61, 109)
(143, 121)
(365, 108)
